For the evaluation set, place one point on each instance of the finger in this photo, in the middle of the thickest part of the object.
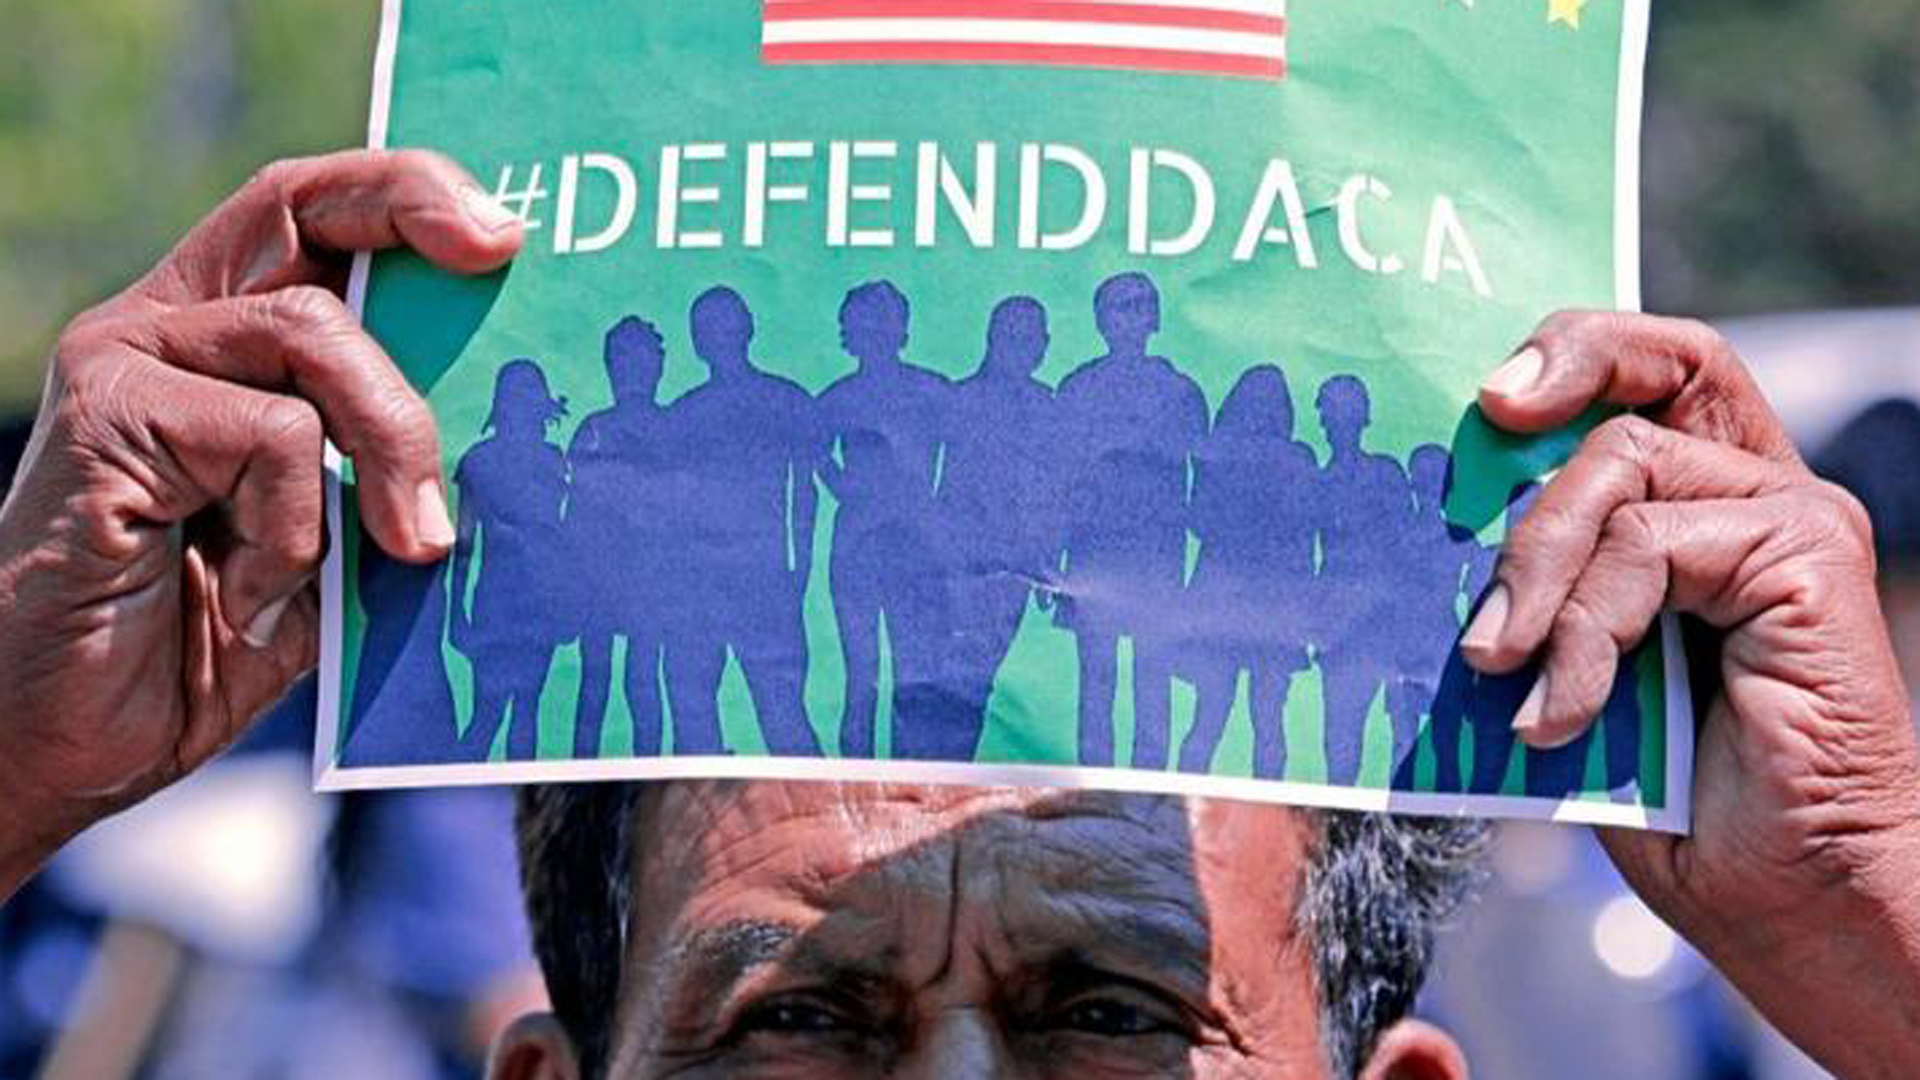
(1726, 561)
(1606, 615)
(1679, 372)
(230, 683)
(1626, 460)
(305, 340)
(265, 236)
(255, 458)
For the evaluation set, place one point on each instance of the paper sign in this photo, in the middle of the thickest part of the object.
(993, 391)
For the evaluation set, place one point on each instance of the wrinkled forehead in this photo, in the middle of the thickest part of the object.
(703, 844)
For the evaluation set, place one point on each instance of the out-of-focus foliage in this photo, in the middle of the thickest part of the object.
(1782, 155)
(123, 121)
(1783, 144)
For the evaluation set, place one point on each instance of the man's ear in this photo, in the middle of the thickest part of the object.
(1415, 1050)
(534, 1047)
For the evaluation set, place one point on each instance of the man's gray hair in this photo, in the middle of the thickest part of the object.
(1377, 889)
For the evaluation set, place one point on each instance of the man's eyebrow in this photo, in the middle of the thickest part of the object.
(1137, 944)
(713, 959)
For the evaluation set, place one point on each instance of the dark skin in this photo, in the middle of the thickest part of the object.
(157, 553)
(854, 931)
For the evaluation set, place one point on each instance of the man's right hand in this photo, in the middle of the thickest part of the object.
(158, 550)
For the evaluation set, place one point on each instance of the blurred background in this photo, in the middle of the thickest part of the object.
(240, 927)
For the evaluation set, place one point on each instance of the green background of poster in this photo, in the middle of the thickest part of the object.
(1509, 114)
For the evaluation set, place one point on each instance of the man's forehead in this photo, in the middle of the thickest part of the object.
(820, 833)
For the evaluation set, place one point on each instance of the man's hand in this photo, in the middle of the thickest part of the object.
(1802, 877)
(157, 552)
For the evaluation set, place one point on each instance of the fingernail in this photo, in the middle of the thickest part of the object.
(1484, 632)
(1517, 375)
(486, 211)
(430, 520)
(1526, 722)
(259, 630)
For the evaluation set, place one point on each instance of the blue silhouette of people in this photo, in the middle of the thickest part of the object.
(1367, 499)
(1253, 509)
(999, 514)
(512, 486)
(1621, 720)
(1438, 563)
(1492, 700)
(616, 529)
(1135, 422)
(886, 420)
(747, 448)
(402, 709)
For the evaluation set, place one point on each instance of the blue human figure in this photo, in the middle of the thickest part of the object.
(886, 420)
(1135, 422)
(402, 710)
(616, 530)
(1492, 700)
(512, 486)
(1621, 719)
(745, 449)
(1253, 510)
(999, 514)
(1368, 500)
(1438, 561)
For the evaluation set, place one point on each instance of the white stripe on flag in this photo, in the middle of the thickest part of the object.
(1025, 32)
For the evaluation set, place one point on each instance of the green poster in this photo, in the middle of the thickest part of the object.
(993, 391)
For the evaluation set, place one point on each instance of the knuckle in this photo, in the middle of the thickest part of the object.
(1703, 340)
(1541, 538)
(423, 178)
(300, 310)
(289, 426)
(300, 547)
(289, 553)
(1579, 621)
(77, 356)
(417, 161)
(1563, 325)
(1580, 688)
(1633, 533)
(1846, 523)
(271, 178)
(1629, 436)
(1588, 332)
(92, 390)
(1851, 510)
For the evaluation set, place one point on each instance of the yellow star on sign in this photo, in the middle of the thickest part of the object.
(1565, 11)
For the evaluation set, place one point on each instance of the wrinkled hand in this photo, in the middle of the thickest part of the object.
(1802, 877)
(157, 552)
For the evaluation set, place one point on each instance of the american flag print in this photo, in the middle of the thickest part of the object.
(1245, 38)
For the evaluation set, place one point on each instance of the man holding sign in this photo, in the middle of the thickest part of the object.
(1110, 914)
(156, 557)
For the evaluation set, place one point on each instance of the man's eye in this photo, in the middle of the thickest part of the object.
(795, 1017)
(1115, 1018)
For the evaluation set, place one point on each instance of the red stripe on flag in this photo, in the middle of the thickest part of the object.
(947, 52)
(1056, 10)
